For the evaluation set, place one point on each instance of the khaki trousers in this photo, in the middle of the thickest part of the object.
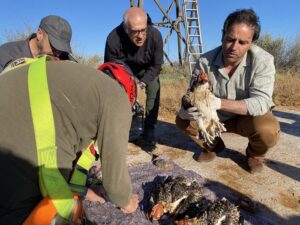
(262, 132)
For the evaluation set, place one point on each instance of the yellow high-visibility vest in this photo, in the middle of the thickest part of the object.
(51, 181)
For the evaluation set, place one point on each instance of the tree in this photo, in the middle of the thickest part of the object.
(286, 53)
(275, 47)
(293, 56)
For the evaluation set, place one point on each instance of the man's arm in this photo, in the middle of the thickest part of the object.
(150, 74)
(114, 120)
(237, 107)
(111, 49)
(157, 59)
(261, 88)
(260, 100)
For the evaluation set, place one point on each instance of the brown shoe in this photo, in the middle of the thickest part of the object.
(255, 164)
(218, 146)
(206, 156)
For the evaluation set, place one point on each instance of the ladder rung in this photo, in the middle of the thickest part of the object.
(190, 1)
(191, 9)
(192, 27)
(194, 35)
(192, 18)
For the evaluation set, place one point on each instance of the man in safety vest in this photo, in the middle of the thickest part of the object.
(51, 111)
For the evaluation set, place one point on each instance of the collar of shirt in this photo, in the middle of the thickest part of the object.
(219, 64)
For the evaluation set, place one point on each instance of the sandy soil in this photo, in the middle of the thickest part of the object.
(275, 192)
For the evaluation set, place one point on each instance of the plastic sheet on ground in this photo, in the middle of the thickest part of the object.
(143, 178)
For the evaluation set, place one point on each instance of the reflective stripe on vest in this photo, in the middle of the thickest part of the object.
(51, 181)
(84, 163)
(18, 63)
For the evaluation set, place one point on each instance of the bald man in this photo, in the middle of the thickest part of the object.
(140, 46)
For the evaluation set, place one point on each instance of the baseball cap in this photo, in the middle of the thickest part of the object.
(59, 32)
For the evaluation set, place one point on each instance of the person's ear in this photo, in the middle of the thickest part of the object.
(39, 34)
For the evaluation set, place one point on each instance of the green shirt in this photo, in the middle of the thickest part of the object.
(253, 80)
(87, 105)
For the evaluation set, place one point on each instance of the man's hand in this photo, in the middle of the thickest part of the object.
(189, 114)
(215, 102)
(133, 204)
(142, 85)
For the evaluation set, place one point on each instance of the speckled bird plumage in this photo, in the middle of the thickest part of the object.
(173, 196)
(200, 96)
(218, 212)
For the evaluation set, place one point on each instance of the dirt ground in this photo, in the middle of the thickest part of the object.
(275, 192)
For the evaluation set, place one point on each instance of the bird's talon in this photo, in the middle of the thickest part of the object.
(157, 211)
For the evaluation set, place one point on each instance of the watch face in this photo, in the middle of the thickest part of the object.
(142, 85)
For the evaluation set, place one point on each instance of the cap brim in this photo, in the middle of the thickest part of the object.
(60, 44)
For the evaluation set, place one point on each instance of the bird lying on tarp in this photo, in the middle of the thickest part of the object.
(200, 96)
(173, 196)
(218, 212)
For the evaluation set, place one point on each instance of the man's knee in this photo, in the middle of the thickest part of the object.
(265, 136)
(153, 88)
(268, 129)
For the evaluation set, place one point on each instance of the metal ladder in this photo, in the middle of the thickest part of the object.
(194, 47)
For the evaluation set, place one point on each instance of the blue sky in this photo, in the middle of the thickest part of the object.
(92, 20)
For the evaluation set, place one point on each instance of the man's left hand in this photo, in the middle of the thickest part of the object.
(215, 102)
(142, 85)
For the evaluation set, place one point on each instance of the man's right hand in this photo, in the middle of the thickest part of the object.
(189, 114)
(132, 206)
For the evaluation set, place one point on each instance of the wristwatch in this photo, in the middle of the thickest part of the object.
(142, 85)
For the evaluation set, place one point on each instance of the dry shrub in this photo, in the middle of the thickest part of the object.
(286, 90)
(170, 99)
(174, 82)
